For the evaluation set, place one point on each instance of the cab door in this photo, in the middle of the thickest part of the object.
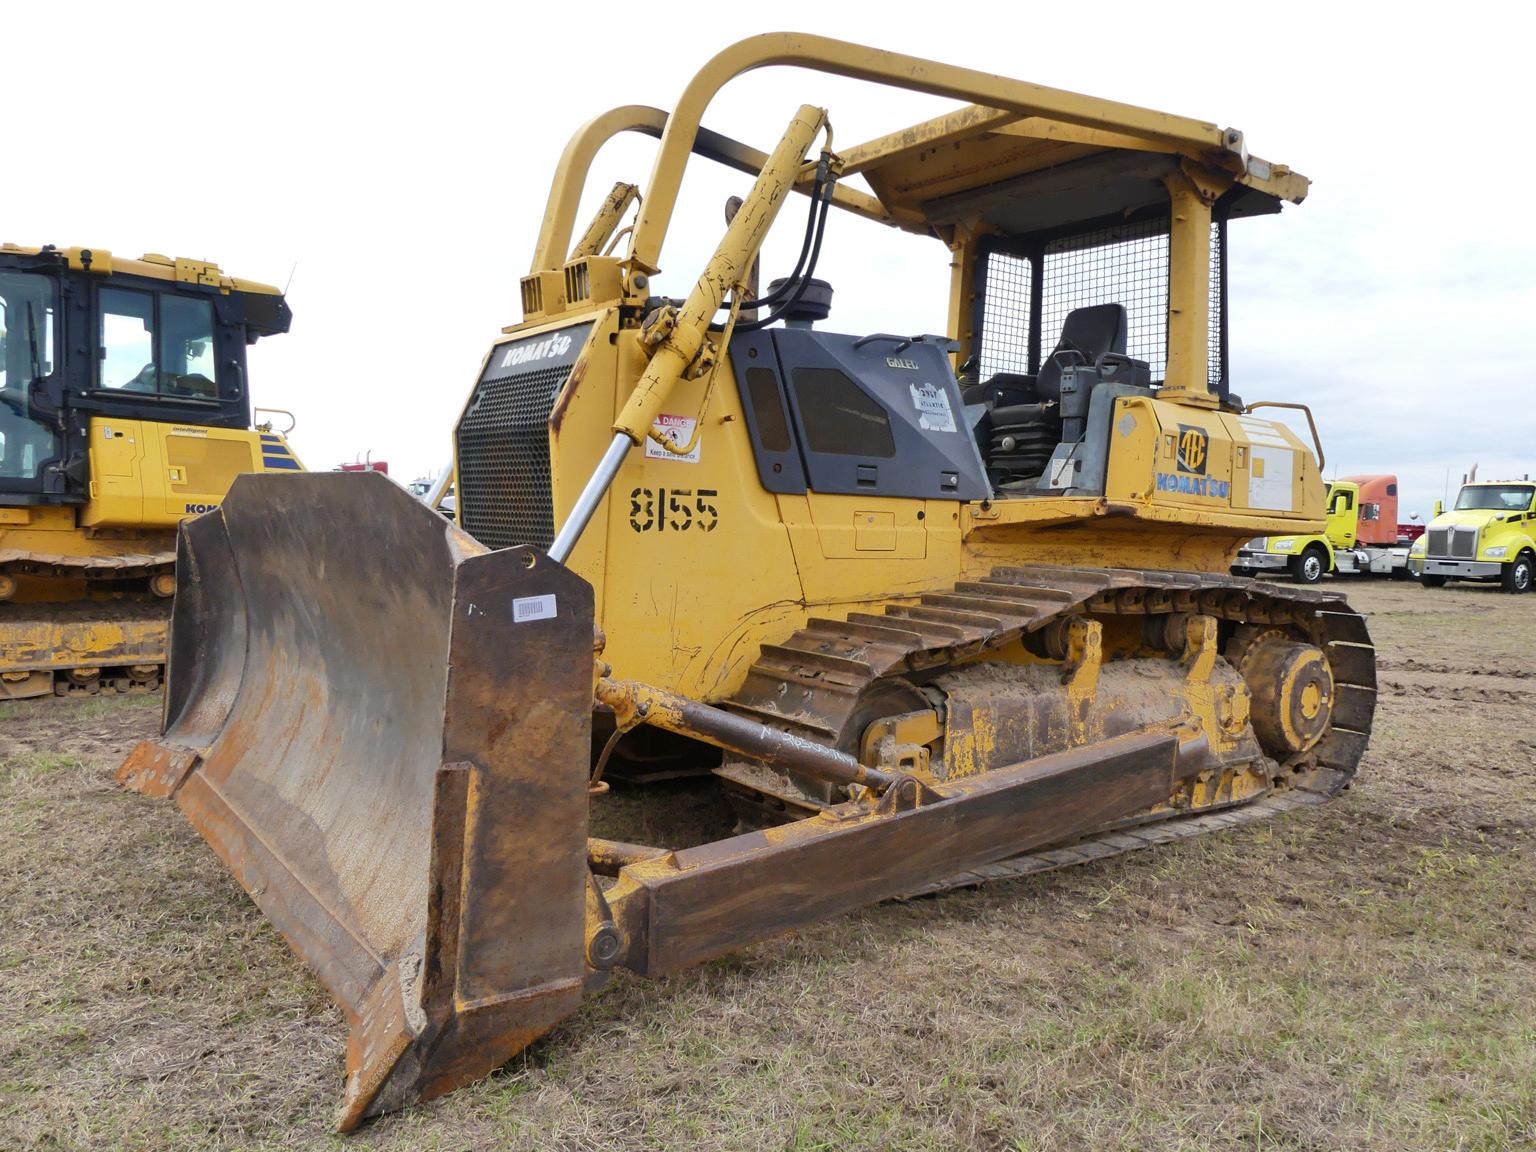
(30, 384)
(1343, 522)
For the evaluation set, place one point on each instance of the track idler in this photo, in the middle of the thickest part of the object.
(1292, 688)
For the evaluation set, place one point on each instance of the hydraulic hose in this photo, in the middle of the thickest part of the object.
(799, 283)
(819, 190)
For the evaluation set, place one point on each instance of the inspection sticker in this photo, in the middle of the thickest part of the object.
(526, 608)
(933, 411)
(677, 431)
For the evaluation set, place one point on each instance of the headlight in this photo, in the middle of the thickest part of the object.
(1419, 547)
(1282, 545)
(1496, 553)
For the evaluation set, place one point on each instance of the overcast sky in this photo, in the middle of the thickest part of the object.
(394, 162)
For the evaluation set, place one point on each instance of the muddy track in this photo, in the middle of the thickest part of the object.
(821, 682)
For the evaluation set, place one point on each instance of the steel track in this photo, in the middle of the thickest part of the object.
(813, 684)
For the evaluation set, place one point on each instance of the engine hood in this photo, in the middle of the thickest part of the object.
(1470, 518)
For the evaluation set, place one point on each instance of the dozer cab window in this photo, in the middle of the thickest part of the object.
(27, 309)
(1067, 320)
(840, 417)
(160, 344)
(128, 340)
(1497, 497)
(1029, 285)
(1006, 330)
(878, 415)
(1126, 266)
(768, 410)
(186, 345)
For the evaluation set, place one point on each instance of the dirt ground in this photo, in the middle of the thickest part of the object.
(1353, 977)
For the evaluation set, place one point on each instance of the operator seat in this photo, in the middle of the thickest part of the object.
(1026, 421)
(1087, 336)
(1089, 332)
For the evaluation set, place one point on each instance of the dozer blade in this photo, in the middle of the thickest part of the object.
(383, 730)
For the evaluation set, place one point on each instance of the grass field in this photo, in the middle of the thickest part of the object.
(1358, 976)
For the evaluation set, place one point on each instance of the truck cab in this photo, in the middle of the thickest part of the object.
(1361, 535)
(1488, 537)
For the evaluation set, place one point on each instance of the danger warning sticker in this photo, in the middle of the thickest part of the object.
(676, 430)
(933, 411)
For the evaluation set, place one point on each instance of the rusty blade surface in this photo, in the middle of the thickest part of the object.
(383, 731)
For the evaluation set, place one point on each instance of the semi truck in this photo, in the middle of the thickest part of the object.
(1361, 535)
(1489, 536)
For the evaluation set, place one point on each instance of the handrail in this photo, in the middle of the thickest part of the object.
(293, 421)
(1316, 440)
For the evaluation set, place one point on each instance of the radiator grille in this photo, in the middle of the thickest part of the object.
(504, 493)
(1453, 543)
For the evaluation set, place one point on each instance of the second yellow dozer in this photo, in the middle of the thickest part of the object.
(125, 408)
(934, 609)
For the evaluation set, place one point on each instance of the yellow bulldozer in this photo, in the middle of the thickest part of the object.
(933, 609)
(124, 410)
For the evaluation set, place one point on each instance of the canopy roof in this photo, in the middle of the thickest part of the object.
(1016, 174)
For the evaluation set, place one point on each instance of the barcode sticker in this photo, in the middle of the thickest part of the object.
(525, 608)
